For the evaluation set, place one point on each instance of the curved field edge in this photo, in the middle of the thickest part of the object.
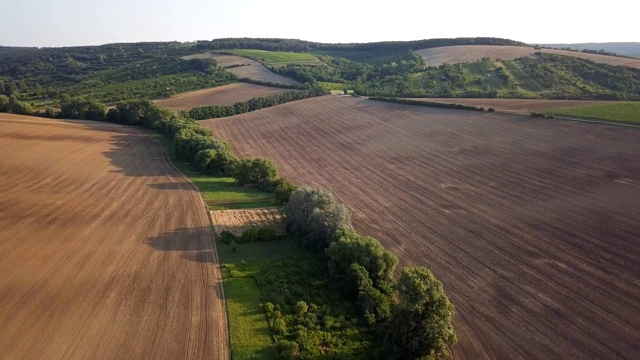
(527, 221)
(112, 253)
(221, 95)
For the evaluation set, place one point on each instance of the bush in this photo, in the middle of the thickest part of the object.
(227, 237)
(249, 234)
(491, 110)
(283, 189)
(266, 233)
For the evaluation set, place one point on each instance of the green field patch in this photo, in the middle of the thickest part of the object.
(625, 111)
(275, 57)
(219, 192)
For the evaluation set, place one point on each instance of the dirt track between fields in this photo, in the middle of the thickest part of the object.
(532, 224)
(105, 250)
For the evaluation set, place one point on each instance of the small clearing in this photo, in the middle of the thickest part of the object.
(221, 95)
(471, 53)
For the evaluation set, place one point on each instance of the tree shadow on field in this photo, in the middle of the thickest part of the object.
(136, 154)
(171, 186)
(193, 244)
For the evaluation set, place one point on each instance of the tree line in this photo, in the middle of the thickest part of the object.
(217, 111)
(431, 104)
(411, 317)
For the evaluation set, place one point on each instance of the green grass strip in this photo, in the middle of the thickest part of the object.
(219, 192)
(626, 112)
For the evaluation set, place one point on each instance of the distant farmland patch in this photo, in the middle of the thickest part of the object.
(244, 67)
(275, 57)
(471, 53)
(222, 95)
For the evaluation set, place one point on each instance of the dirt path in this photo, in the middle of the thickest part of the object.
(105, 250)
(532, 224)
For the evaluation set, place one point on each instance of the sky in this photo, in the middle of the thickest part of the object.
(52, 23)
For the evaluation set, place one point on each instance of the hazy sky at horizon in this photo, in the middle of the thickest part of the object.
(94, 22)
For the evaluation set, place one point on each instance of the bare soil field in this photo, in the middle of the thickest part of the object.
(250, 68)
(532, 224)
(105, 249)
(516, 106)
(221, 95)
(471, 53)
(236, 221)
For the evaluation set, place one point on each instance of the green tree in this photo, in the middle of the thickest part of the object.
(420, 326)
(375, 307)
(313, 215)
(366, 251)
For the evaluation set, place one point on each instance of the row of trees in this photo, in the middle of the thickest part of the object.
(217, 111)
(412, 316)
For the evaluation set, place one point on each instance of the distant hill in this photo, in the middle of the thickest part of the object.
(469, 53)
(621, 48)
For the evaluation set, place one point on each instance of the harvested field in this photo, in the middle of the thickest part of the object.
(530, 223)
(221, 95)
(516, 106)
(237, 220)
(471, 53)
(105, 250)
(250, 68)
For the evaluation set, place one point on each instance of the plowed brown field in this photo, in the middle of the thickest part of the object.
(471, 53)
(105, 250)
(221, 95)
(532, 224)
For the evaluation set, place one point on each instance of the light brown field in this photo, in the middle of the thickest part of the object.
(105, 249)
(221, 95)
(532, 224)
(471, 53)
(516, 106)
(236, 221)
(251, 69)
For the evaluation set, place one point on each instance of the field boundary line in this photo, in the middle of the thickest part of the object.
(568, 118)
(212, 241)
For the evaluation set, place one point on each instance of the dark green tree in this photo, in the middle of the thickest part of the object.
(420, 326)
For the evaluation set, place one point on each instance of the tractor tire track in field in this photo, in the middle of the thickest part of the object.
(105, 249)
(531, 224)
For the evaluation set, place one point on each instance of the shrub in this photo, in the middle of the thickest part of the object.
(266, 233)
(227, 237)
(249, 234)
